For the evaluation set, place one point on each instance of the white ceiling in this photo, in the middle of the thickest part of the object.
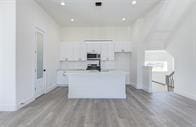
(85, 13)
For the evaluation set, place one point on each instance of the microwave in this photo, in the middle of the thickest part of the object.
(91, 56)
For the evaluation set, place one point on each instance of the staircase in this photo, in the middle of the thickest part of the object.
(169, 82)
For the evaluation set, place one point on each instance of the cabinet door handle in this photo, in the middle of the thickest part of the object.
(122, 50)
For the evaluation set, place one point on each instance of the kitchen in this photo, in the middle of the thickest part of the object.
(96, 59)
(72, 63)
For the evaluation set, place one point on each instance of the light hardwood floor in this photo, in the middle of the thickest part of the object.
(138, 110)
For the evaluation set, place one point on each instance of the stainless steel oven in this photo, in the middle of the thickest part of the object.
(93, 56)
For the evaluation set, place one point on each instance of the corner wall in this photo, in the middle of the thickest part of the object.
(7, 55)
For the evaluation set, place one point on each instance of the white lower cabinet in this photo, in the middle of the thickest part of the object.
(62, 79)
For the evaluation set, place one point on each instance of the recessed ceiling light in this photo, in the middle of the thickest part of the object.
(62, 3)
(134, 2)
(72, 20)
(123, 19)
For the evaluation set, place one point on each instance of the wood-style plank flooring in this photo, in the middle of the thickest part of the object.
(138, 110)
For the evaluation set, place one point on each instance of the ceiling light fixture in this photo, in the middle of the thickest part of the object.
(134, 2)
(72, 20)
(123, 19)
(62, 3)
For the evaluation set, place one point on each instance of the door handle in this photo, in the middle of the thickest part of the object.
(44, 70)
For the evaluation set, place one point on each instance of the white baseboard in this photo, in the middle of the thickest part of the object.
(24, 103)
(28, 101)
(134, 85)
(8, 108)
(185, 94)
(51, 88)
(62, 85)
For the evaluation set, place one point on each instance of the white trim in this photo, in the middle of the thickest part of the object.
(51, 88)
(128, 84)
(30, 100)
(37, 28)
(134, 85)
(185, 94)
(63, 85)
(24, 103)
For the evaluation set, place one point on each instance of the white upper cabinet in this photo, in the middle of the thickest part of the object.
(80, 53)
(123, 47)
(77, 51)
(66, 52)
(93, 47)
(107, 51)
(73, 51)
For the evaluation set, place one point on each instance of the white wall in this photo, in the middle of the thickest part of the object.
(7, 55)
(160, 55)
(29, 15)
(137, 59)
(147, 79)
(95, 33)
(158, 26)
(183, 47)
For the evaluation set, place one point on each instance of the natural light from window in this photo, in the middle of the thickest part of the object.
(157, 66)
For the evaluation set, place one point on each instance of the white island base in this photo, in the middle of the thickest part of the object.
(97, 85)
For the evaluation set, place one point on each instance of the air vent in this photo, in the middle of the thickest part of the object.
(98, 4)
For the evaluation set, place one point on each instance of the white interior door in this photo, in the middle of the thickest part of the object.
(39, 64)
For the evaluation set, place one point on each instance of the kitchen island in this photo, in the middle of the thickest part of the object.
(96, 85)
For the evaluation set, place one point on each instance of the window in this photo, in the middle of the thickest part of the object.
(157, 66)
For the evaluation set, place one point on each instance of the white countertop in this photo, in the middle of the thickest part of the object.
(94, 72)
